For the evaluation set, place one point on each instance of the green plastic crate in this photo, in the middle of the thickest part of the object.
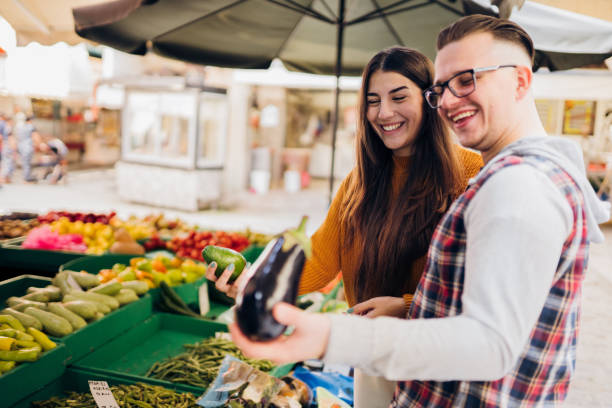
(187, 291)
(30, 377)
(16, 259)
(18, 286)
(95, 334)
(157, 338)
(83, 341)
(74, 379)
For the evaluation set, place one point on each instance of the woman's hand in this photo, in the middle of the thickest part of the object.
(308, 340)
(222, 284)
(381, 306)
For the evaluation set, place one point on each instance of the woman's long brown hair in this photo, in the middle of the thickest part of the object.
(393, 235)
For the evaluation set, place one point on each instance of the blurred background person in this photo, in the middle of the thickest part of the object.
(25, 133)
(54, 159)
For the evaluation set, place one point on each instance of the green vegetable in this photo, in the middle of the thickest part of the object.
(87, 310)
(12, 321)
(137, 286)
(126, 296)
(108, 288)
(26, 354)
(53, 292)
(20, 304)
(38, 296)
(137, 395)
(41, 338)
(74, 319)
(199, 366)
(27, 344)
(84, 279)
(98, 297)
(26, 320)
(101, 307)
(224, 257)
(171, 302)
(53, 324)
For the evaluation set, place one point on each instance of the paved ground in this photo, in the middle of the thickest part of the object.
(95, 190)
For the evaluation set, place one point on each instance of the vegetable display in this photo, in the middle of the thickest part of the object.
(200, 364)
(274, 278)
(138, 395)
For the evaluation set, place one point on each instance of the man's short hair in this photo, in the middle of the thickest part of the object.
(501, 29)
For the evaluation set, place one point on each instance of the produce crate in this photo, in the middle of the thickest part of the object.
(18, 285)
(30, 377)
(95, 334)
(75, 379)
(161, 336)
(187, 291)
(18, 260)
(85, 340)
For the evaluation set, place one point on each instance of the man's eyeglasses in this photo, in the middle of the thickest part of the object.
(461, 85)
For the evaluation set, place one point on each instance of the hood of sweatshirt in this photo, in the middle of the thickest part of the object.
(567, 154)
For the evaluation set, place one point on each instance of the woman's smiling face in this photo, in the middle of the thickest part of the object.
(395, 110)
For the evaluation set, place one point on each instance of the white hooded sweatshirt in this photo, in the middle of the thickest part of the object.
(516, 226)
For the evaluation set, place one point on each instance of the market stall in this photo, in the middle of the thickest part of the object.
(142, 323)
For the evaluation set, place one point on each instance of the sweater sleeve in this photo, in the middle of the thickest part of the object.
(517, 224)
(324, 265)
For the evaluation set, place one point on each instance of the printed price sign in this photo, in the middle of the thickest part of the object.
(102, 394)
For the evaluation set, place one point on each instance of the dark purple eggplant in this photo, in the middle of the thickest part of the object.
(273, 278)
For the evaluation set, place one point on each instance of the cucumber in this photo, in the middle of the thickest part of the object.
(84, 279)
(137, 286)
(108, 288)
(98, 297)
(76, 321)
(101, 307)
(26, 320)
(126, 296)
(53, 292)
(53, 324)
(61, 281)
(21, 304)
(86, 309)
(38, 296)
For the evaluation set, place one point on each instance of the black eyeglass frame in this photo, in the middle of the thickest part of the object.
(445, 84)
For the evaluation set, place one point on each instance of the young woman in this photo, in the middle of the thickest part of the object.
(380, 223)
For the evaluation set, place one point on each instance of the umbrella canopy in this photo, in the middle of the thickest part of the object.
(251, 33)
(315, 36)
(306, 34)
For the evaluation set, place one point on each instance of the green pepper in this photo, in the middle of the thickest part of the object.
(144, 265)
(12, 321)
(127, 274)
(26, 354)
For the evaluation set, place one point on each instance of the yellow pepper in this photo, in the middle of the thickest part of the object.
(42, 339)
(12, 321)
(6, 343)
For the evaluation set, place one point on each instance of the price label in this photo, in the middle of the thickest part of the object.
(102, 394)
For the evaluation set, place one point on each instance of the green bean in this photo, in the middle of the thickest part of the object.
(137, 395)
(200, 364)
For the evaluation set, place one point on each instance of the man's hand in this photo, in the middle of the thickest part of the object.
(308, 340)
(381, 306)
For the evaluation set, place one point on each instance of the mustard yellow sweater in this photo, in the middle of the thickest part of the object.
(332, 253)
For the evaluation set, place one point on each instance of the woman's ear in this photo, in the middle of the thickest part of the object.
(524, 78)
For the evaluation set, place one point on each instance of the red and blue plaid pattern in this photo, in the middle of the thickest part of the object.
(542, 373)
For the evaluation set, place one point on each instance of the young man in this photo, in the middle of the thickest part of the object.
(494, 320)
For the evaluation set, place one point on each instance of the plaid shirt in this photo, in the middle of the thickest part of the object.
(542, 373)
